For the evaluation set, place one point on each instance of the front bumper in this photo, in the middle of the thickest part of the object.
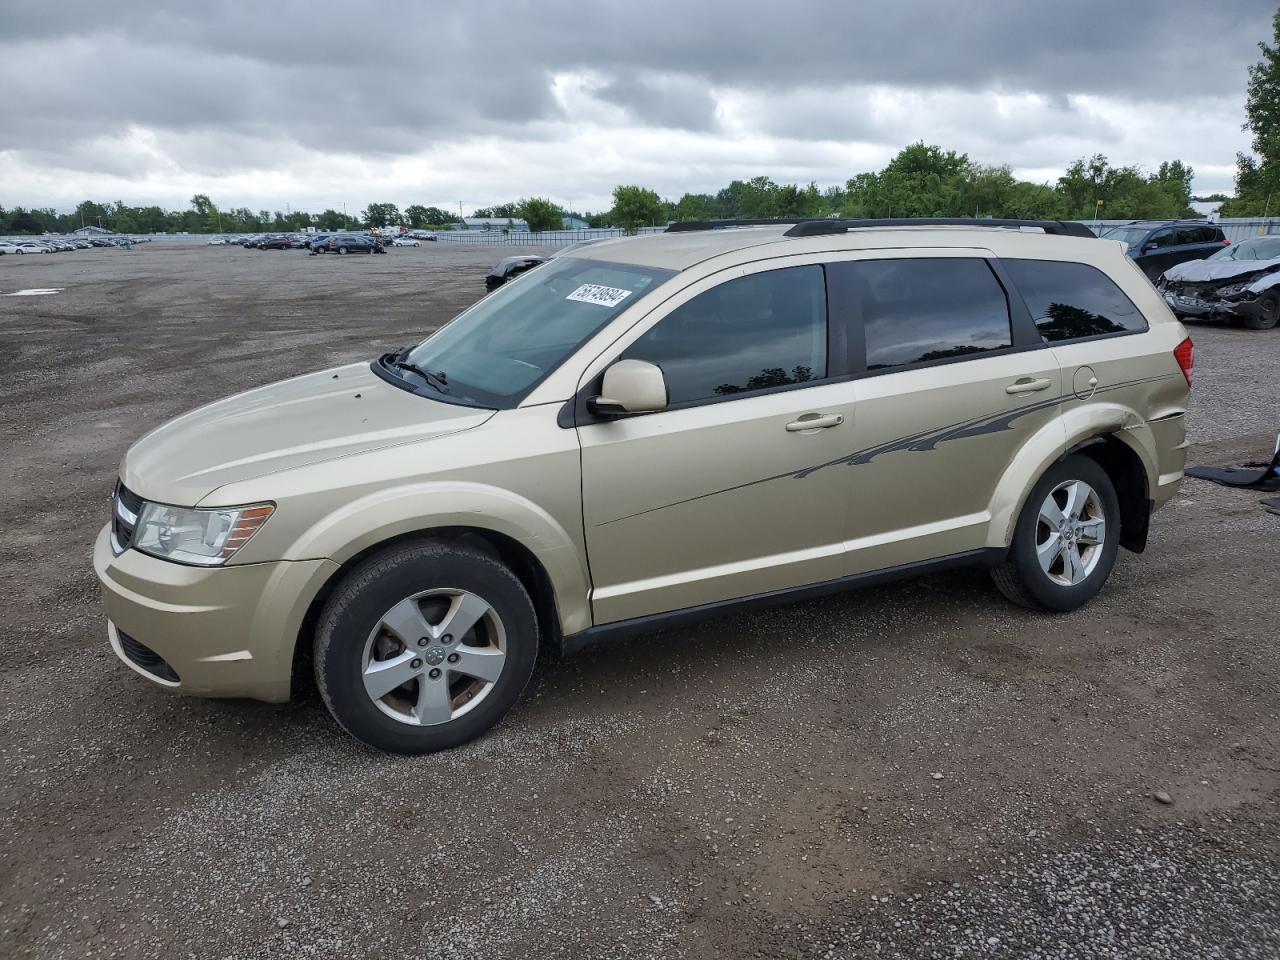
(1211, 309)
(224, 631)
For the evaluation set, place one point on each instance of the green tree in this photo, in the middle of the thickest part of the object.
(206, 219)
(23, 221)
(921, 181)
(383, 215)
(1258, 179)
(635, 207)
(541, 214)
(502, 211)
(695, 206)
(420, 216)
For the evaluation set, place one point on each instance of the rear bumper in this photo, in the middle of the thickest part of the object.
(224, 631)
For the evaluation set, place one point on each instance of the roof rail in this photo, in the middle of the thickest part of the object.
(817, 228)
(688, 226)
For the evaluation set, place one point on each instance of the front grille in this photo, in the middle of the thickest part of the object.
(125, 507)
(1201, 291)
(146, 658)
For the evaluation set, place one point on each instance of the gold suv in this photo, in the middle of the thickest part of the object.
(646, 430)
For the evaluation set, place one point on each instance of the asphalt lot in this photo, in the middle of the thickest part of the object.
(763, 785)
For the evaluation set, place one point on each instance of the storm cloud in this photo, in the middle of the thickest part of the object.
(316, 104)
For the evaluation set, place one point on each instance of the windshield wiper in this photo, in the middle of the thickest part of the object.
(435, 378)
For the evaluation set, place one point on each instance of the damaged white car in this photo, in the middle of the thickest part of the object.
(1240, 283)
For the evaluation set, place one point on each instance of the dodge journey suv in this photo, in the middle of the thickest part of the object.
(644, 431)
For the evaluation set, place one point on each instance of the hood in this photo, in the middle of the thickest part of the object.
(294, 423)
(504, 266)
(1203, 271)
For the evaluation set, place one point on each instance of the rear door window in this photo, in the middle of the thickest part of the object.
(1073, 301)
(926, 309)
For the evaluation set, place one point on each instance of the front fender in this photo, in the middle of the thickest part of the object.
(360, 524)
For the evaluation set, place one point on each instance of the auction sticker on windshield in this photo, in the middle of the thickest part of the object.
(601, 296)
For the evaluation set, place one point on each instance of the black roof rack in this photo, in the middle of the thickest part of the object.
(809, 227)
(688, 226)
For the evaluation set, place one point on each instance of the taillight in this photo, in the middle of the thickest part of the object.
(1226, 242)
(1185, 354)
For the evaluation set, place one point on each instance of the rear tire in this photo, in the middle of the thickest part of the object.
(455, 626)
(342, 249)
(1066, 539)
(1268, 314)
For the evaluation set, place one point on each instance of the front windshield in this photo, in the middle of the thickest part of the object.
(496, 352)
(1256, 248)
(1126, 235)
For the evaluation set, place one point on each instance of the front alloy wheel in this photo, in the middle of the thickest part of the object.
(434, 656)
(425, 646)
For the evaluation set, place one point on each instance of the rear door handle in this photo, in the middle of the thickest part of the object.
(815, 421)
(1028, 385)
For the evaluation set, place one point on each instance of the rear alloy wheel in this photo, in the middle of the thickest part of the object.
(1268, 314)
(342, 249)
(425, 647)
(1066, 538)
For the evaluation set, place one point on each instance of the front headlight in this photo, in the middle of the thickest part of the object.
(1233, 290)
(206, 537)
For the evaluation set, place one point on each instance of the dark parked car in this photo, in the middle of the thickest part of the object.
(1157, 246)
(354, 243)
(275, 243)
(1240, 283)
(318, 243)
(510, 267)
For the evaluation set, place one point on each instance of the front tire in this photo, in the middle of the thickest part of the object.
(1066, 539)
(424, 647)
(342, 249)
(1268, 314)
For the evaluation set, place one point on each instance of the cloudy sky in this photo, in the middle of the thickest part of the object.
(316, 104)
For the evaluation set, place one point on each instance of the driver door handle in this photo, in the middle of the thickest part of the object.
(1028, 385)
(815, 421)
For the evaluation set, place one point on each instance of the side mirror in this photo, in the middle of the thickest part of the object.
(630, 386)
(1147, 248)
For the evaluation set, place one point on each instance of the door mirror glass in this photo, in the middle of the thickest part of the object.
(630, 386)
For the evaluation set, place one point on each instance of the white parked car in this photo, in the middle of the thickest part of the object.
(7, 247)
(405, 242)
(29, 246)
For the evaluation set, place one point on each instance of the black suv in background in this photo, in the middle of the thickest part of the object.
(354, 243)
(1157, 246)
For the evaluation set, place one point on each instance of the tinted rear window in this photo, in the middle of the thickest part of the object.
(1070, 301)
(926, 309)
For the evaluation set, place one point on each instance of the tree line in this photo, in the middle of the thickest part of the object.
(923, 180)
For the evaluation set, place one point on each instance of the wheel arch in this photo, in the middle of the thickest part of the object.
(509, 551)
(1110, 434)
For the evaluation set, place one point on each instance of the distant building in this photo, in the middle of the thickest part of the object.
(510, 224)
(574, 223)
(91, 232)
(1207, 208)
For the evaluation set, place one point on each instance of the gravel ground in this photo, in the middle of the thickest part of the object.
(913, 771)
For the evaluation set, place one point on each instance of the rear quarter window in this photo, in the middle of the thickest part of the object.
(1073, 301)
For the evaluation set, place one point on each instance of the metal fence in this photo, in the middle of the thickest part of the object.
(548, 238)
(1235, 228)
